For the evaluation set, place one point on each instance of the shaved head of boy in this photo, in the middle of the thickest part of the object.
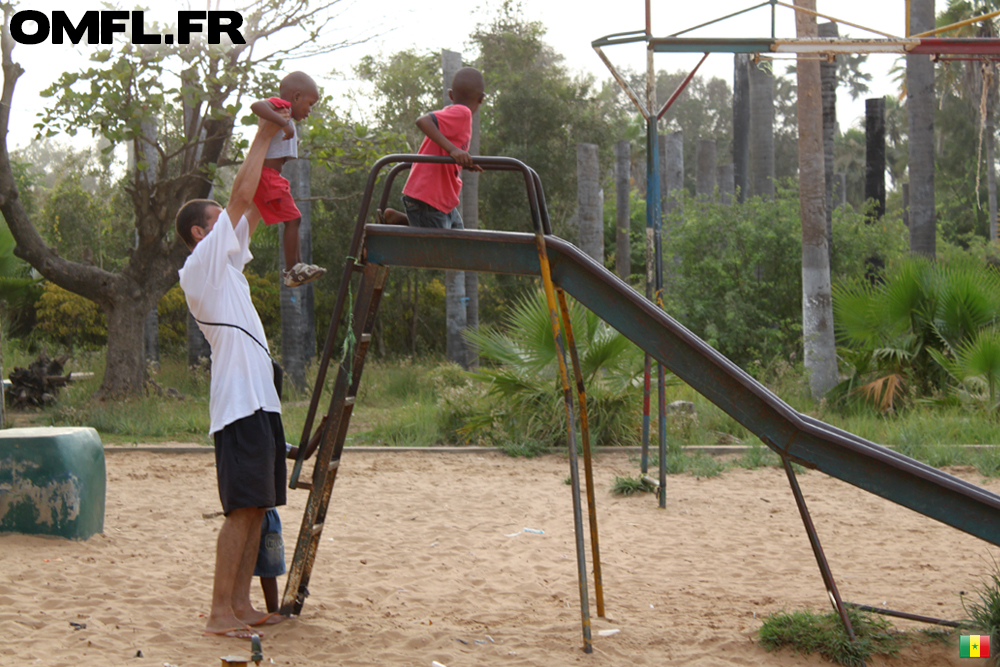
(467, 87)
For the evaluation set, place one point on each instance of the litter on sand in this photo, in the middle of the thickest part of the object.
(535, 531)
(608, 633)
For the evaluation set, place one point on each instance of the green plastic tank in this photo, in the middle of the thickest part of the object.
(52, 481)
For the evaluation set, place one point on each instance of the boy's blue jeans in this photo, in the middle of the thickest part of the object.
(424, 215)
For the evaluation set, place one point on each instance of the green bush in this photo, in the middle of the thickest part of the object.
(738, 277)
(918, 328)
(70, 320)
(525, 398)
(172, 312)
(808, 632)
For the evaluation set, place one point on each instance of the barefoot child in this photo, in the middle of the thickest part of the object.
(271, 553)
(430, 196)
(274, 196)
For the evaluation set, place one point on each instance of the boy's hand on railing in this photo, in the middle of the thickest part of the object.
(465, 160)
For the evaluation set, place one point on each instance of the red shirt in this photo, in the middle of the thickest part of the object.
(439, 184)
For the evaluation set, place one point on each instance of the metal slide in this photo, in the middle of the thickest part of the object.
(792, 435)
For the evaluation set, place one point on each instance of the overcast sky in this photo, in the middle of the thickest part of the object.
(445, 24)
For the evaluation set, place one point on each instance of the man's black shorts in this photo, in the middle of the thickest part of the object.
(250, 462)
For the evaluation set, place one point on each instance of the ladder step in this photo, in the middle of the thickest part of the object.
(304, 485)
(348, 401)
(333, 465)
(366, 338)
(317, 529)
(358, 268)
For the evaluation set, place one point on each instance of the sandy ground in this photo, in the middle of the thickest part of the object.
(425, 558)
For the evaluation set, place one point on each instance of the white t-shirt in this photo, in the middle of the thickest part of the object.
(281, 147)
(216, 290)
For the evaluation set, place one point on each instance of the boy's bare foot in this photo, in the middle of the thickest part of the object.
(391, 216)
(258, 618)
(301, 273)
(269, 619)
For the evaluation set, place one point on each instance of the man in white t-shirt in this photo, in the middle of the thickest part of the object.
(244, 406)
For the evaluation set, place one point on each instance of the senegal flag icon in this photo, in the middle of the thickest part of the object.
(974, 646)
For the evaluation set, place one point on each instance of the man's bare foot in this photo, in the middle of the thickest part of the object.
(238, 633)
(391, 216)
(228, 626)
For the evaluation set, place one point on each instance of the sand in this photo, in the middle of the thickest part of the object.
(425, 558)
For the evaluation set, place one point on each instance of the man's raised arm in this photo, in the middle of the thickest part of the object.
(247, 178)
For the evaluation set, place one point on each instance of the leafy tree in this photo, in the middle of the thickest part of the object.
(406, 86)
(175, 107)
(535, 112)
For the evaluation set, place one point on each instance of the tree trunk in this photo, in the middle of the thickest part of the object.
(991, 172)
(725, 178)
(456, 318)
(705, 183)
(672, 154)
(126, 353)
(762, 131)
(828, 81)
(298, 327)
(817, 305)
(470, 216)
(741, 125)
(840, 189)
(875, 155)
(588, 198)
(623, 222)
(920, 107)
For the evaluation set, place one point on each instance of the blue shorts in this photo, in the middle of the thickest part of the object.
(271, 554)
(420, 214)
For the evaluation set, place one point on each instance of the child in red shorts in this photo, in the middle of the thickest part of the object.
(274, 196)
(430, 197)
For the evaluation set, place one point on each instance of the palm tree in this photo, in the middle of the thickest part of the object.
(525, 406)
(817, 311)
(915, 328)
(920, 102)
(976, 82)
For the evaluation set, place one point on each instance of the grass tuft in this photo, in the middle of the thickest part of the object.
(809, 632)
(984, 611)
(627, 486)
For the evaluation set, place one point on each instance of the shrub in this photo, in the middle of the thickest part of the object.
(525, 395)
(904, 333)
(71, 320)
(738, 277)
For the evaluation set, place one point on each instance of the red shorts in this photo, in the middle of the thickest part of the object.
(274, 198)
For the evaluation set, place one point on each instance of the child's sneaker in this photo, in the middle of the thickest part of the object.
(302, 273)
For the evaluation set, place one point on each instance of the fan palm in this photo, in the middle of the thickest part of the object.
(524, 388)
(904, 331)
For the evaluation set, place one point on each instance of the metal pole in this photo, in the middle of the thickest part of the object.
(654, 261)
(824, 566)
(588, 468)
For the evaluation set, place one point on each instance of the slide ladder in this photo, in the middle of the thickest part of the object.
(334, 434)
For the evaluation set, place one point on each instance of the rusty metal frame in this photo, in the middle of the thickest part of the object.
(923, 43)
(296, 587)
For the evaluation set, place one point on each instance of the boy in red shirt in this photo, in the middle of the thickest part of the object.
(274, 196)
(432, 190)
